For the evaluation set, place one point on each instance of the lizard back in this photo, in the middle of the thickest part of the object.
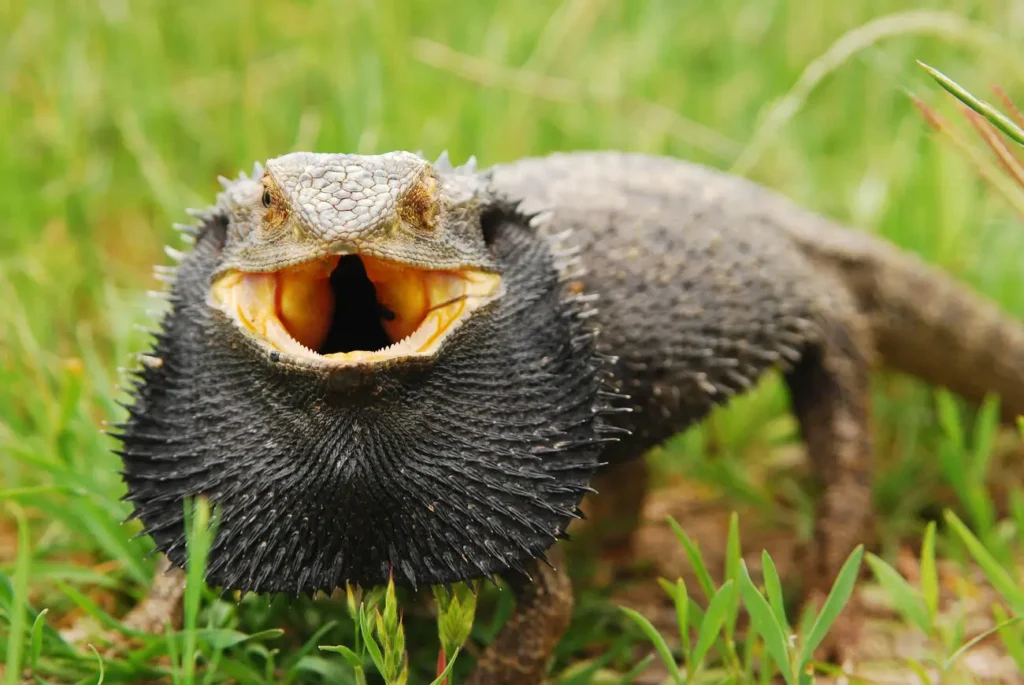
(706, 280)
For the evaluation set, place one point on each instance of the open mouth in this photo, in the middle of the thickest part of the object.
(353, 309)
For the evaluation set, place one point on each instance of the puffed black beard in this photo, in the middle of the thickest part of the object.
(462, 467)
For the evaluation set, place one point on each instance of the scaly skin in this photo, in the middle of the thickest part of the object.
(674, 231)
(702, 281)
(706, 280)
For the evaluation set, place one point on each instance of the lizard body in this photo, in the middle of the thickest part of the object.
(691, 264)
(702, 281)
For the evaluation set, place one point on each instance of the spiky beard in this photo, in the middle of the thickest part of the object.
(462, 466)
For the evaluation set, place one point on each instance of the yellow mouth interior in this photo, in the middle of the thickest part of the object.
(353, 309)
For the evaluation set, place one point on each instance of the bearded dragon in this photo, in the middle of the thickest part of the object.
(380, 367)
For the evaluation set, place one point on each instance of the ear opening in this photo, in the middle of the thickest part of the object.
(489, 222)
(493, 217)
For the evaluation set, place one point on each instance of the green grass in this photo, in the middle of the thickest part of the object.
(118, 115)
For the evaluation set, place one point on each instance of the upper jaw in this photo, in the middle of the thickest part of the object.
(319, 313)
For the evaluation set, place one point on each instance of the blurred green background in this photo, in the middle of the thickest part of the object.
(115, 116)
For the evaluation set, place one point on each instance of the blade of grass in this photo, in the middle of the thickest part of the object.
(198, 523)
(929, 573)
(763, 620)
(92, 609)
(637, 670)
(682, 613)
(370, 642)
(658, 641)
(351, 657)
(75, 574)
(958, 464)
(733, 560)
(1011, 639)
(1003, 583)
(919, 671)
(310, 644)
(1017, 511)
(681, 601)
(842, 588)
(773, 588)
(329, 671)
(901, 593)
(998, 119)
(695, 614)
(1007, 160)
(949, 419)
(693, 554)
(440, 679)
(19, 600)
(225, 638)
(714, 618)
(52, 640)
(985, 168)
(976, 639)
(99, 662)
(1015, 113)
(37, 640)
(985, 426)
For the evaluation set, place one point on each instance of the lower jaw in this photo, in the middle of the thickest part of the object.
(296, 311)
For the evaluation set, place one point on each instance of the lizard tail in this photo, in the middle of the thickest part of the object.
(924, 322)
(932, 327)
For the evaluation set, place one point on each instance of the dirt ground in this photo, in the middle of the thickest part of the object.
(886, 643)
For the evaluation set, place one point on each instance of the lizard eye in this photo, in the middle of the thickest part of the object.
(266, 198)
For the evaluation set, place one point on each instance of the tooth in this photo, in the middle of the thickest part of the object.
(279, 336)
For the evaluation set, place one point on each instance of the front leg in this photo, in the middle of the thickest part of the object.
(522, 651)
(162, 605)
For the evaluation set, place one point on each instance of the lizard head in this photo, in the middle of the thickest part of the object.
(370, 369)
(349, 260)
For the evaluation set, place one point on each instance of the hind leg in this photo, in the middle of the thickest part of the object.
(830, 395)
